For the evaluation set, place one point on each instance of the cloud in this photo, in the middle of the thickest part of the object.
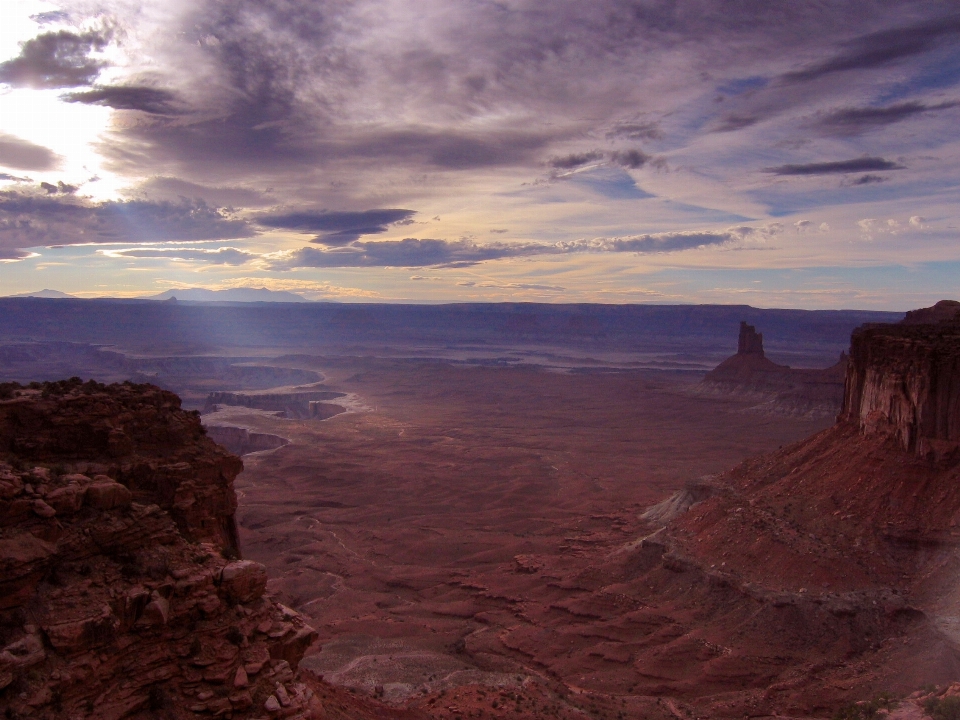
(338, 228)
(512, 286)
(732, 123)
(636, 131)
(882, 48)
(853, 121)
(219, 256)
(568, 162)
(843, 166)
(13, 178)
(866, 180)
(24, 155)
(872, 226)
(128, 97)
(309, 289)
(31, 220)
(174, 189)
(61, 188)
(51, 16)
(414, 252)
(632, 159)
(55, 60)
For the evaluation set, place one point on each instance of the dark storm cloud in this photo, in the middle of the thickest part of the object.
(569, 162)
(882, 48)
(865, 164)
(414, 252)
(21, 154)
(128, 97)
(853, 120)
(31, 220)
(338, 228)
(55, 60)
(632, 159)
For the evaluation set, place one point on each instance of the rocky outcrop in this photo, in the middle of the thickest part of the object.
(121, 589)
(778, 389)
(904, 380)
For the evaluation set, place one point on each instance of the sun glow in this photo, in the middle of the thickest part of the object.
(72, 131)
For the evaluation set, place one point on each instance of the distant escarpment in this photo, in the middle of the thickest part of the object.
(302, 405)
(778, 389)
(122, 592)
(905, 380)
(825, 572)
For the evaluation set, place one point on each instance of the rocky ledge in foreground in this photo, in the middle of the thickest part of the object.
(121, 589)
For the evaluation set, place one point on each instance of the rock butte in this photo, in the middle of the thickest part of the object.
(778, 389)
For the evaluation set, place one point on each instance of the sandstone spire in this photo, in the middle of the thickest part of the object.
(750, 342)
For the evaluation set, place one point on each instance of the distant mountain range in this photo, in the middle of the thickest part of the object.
(43, 294)
(231, 295)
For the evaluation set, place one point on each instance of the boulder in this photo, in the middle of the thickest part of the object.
(243, 581)
(110, 495)
(42, 509)
(66, 500)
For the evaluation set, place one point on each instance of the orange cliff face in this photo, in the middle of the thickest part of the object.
(121, 589)
(904, 380)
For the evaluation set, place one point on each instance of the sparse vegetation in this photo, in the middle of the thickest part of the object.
(947, 708)
(866, 709)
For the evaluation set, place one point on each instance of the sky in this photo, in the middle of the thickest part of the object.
(800, 154)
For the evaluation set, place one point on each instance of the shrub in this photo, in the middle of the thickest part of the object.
(947, 708)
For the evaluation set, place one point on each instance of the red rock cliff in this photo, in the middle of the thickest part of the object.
(904, 380)
(121, 589)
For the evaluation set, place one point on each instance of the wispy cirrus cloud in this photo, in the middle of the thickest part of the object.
(855, 165)
(209, 256)
(415, 252)
(856, 120)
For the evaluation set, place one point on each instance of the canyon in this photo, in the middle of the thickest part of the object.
(476, 538)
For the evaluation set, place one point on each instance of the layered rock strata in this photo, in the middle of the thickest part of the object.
(121, 589)
(905, 380)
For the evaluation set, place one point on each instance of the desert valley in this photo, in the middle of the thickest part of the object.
(494, 527)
